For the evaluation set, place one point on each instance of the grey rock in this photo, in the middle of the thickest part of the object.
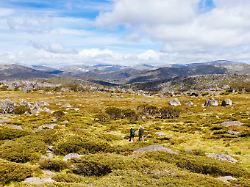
(227, 102)
(38, 180)
(233, 132)
(211, 102)
(7, 106)
(70, 156)
(66, 105)
(231, 123)
(222, 157)
(46, 126)
(226, 179)
(51, 148)
(15, 127)
(190, 103)
(153, 148)
(174, 102)
(160, 133)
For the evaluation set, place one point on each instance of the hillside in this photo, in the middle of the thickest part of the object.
(82, 139)
(14, 71)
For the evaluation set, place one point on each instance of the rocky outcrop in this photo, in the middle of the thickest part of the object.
(231, 123)
(7, 107)
(227, 102)
(38, 180)
(211, 102)
(222, 157)
(46, 126)
(174, 102)
(70, 156)
(226, 179)
(190, 104)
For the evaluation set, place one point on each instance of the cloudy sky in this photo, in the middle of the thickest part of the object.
(129, 32)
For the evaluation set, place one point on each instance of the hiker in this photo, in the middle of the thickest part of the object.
(141, 132)
(132, 135)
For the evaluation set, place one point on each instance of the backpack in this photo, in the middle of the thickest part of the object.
(132, 132)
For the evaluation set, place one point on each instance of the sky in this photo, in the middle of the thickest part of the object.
(126, 32)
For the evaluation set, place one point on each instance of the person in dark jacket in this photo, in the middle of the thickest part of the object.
(141, 133)
(132, 135)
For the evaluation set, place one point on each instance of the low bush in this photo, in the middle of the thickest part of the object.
(169, 112)
(130, 115)
(9, 133)
(20, 109)
(77, 144)
(10, 171)
(53, 164)
(67, 178)
(24, 149)
(200, 164)
(58, 114)
(148, 110)
(101, 117)
(91, 168)
(114, 113)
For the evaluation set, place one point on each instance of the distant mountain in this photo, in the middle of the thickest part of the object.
(14, 71)
(232, 67)
(181, 71)
(52, 71)
(117, 74)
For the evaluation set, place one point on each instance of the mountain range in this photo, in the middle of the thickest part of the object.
(117, 74)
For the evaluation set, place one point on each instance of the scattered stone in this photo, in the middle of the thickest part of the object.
(227, 102)
(46, 126)
(190, 104)
(66, 105)
(47, 110)
(38, 180)
(153, 148)
(231, 123)
(226, 179)
(7, 107)
(194, 94)
(222, 157)
(211, 102)
(15, 127)
(51, 148)
(160, 133)
(174, 102)
(48, 174)
(70, 156)
(233, 132)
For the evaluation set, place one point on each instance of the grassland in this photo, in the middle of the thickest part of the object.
(108, 158)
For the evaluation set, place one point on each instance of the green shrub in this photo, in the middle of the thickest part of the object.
(67, 178)
(101, 117)
(169, 112)
(24, 149)
(148, 110)
(77, 144)
(91, 168)
(53, 164)
(114, 113)
(71, 144)
(200, 164)
(13, 172)
(58, 114)
(130, 114)
(9, 133)
(20, 109)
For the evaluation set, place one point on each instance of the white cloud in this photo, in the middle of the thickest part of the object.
(6, 12)
(182, 30)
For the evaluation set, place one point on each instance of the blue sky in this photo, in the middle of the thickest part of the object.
(63, 32)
